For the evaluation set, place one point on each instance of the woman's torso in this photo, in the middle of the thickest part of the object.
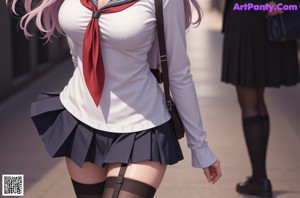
(131, 98)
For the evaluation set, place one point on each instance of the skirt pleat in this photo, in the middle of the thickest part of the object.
(66, 136)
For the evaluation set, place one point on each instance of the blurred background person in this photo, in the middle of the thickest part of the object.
(251, 63)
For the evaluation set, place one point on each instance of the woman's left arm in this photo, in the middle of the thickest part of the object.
(182, 85)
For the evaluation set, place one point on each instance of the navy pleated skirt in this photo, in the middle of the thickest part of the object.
(249, 58)
(66, 136)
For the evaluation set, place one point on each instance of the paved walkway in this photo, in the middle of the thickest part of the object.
(22, 151)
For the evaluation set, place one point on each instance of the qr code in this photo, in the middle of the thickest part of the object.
(12, 185)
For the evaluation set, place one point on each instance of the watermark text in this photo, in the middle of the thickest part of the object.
(264, 7)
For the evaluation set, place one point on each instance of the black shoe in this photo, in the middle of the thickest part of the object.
(260, 189)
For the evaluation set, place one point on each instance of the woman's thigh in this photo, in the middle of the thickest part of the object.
(149, 172)
(89, 173)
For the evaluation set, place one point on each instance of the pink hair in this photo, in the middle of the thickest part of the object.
(188, 13)
(46, 15)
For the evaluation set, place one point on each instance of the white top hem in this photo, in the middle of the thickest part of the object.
(112, 128)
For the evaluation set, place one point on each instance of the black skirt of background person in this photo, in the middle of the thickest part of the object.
(249, 58)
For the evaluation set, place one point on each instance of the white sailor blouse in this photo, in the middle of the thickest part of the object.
(131, 99)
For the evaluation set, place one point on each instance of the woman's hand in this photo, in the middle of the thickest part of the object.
(275, 11)
(213, 172)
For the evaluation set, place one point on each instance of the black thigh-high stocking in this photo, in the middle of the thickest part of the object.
(88, 190)
(130, 189)
(257, 145)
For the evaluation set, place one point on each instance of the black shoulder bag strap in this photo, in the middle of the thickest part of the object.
(175, 117)
(119, 181)
(163, 51)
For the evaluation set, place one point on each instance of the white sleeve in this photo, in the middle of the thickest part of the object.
(182, 85)
(72, 51)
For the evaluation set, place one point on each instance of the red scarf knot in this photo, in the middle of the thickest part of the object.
(96, 14)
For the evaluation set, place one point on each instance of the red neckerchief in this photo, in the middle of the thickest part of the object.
(93, 67)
